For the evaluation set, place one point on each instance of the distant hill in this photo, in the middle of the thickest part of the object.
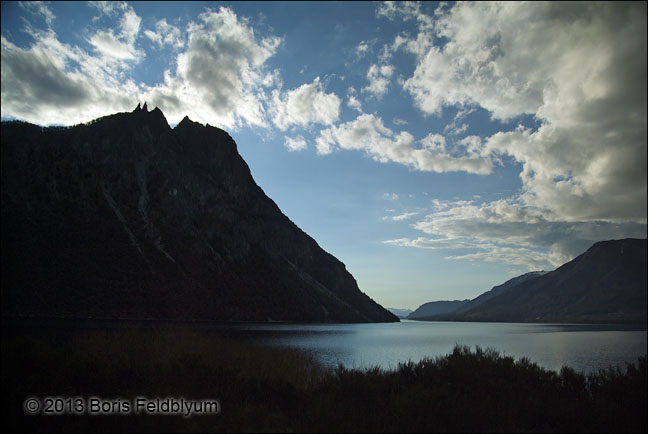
(436, 308)
(401, 313)
(606, 284)
(126, 217)
(498, 290)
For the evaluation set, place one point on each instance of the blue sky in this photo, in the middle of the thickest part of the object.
(435, 149)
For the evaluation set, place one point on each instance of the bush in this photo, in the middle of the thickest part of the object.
(264, 389)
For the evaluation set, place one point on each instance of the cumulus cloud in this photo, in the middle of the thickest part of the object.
(221, 76)
(354, 103)
(368, 133)
(305, 105)
(379, 77)
(39, 84)
(577, 69)
(55, 83)
(482, 62)
(583, 79)
(580, 70)
(296, 144)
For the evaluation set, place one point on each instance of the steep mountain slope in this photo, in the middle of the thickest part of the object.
(126, 217)
(440, 310)
(434, 308)
(499, 289)
(607, 283)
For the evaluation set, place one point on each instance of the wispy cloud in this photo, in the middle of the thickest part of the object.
(534, 260)
(458, 125)
(399, 9)
(509, 232)
(165, 34)
(119, 46)
(401, 217)
(390, 196)
(362, 49)
(40, 8)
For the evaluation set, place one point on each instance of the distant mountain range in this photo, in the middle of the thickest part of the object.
(606, 284)
(401, 313)
(126, 217)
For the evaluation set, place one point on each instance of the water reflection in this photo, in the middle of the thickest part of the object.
(584, 347)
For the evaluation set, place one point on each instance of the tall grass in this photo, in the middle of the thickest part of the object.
(280, 390)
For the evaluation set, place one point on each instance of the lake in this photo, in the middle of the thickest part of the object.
(584, 347)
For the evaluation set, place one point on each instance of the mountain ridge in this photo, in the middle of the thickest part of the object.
(434, 308)
(499, 289)
(605, 284)
(125, 216)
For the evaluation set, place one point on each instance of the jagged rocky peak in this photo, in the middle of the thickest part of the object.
(142, 113)
(125, 217)
(143, 108)
(185, 120)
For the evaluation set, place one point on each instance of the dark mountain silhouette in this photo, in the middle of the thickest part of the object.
(436, 308)
(499, 289)
(125, 217)
(606, 284)
(439, 310)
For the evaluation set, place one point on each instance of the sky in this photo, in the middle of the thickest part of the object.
(437, 149)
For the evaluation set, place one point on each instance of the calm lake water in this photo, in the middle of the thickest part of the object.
(585, 348)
